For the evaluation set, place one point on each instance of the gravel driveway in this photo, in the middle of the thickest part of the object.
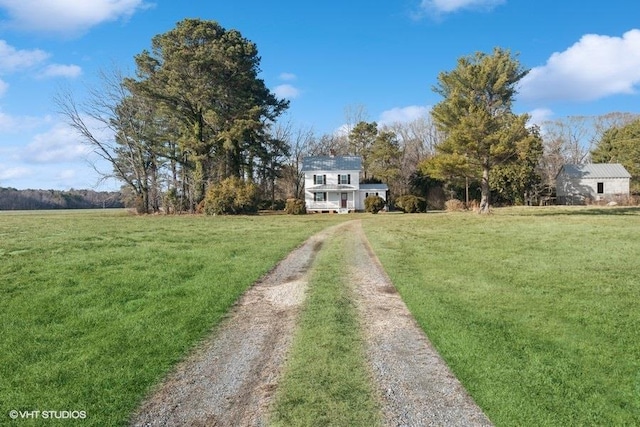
(230, 379)
(415, 386)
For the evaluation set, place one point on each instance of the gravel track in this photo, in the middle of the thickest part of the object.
(415, 386)
(230, 379)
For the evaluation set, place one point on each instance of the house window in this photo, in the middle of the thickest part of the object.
(601, 188)
(320, 197)
(319, 179)
(344, 179)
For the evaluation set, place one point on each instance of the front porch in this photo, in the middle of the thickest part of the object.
(334, 200)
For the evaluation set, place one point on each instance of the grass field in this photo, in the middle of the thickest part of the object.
(96, 306)
(537, 311)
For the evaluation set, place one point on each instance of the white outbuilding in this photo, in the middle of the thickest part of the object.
(576, 184)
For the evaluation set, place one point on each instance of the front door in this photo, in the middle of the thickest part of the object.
(343, 200)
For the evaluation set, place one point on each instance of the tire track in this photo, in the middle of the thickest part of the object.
(230, 379)
(414, 384)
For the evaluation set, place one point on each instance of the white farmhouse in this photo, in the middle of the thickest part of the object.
(598, 182)
(332, 184)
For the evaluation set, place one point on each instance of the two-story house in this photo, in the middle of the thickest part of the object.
(332, 184)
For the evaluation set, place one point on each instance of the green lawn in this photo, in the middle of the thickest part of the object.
(96, 306)
(537, 310)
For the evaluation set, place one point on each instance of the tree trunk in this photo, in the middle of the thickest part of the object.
(154, 190)
(484, 188)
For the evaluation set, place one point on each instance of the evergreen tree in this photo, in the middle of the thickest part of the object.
(480, 129)
(206, 78)
(621, 145)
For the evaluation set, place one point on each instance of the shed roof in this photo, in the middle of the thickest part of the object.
(332, 163)
(595, 170)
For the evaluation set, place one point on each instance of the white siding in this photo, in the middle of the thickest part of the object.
(371, 192)
(333, 201)
(332, 177)
(571, 190)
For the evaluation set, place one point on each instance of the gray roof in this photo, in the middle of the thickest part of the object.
(331, 163)
(331, 187)
(595, 170)
(383, 187)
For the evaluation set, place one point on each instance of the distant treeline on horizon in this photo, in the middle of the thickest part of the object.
(13, 199)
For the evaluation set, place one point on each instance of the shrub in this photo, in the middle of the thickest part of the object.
(454, 205)
(295, 207)
(411, 204)
(231, 196)
(473, 205)
(374, 204)
(269, 205)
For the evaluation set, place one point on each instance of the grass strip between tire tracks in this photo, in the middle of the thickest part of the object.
(326, 381)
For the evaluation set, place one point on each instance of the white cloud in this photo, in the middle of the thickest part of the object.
(288, 76)
(595, 67)
(540, 115)
(66, 177)
(12, 59)
(14, 124)
(67, 16)
(3, 89)
(449, 6)
(58, 145)
(286, 91)
(7, 122)
(342, 130)
(58, 70)
(8, 172)
(403, 114)
(67, 174)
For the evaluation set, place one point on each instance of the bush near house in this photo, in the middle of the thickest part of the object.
(231, 196)
(374, 204)
(411, 204)
(454, 205)
(271, 205)
(295, 207)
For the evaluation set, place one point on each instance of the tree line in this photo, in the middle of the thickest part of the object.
(196, 127)
(13, 199)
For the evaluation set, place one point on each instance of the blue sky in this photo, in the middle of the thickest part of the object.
(323, 56)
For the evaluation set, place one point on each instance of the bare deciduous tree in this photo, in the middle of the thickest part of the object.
(115, 125)
(570, 140)
(300, 140)
(418, 139)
